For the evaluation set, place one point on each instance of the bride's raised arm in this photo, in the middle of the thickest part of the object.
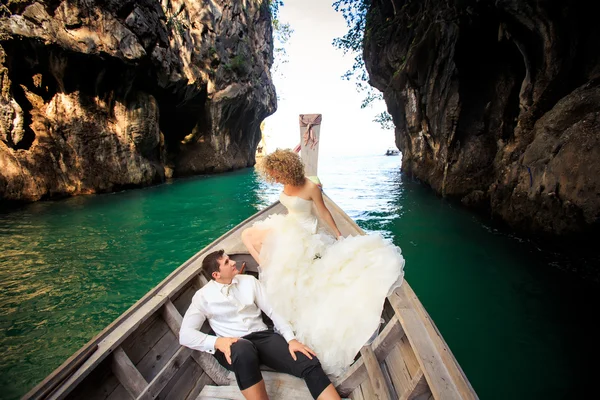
(317, 198)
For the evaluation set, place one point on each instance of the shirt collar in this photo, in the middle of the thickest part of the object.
(224, 288)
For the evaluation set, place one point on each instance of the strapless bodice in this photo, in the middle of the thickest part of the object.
(300, 209)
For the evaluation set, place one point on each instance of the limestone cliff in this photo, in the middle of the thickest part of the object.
(496, 103)
(98, 95)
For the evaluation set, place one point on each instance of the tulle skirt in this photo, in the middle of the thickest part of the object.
(331, 291)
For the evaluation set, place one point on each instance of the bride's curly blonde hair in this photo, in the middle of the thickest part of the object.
(283, 165)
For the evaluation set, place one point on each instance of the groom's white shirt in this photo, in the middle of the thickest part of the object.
(232, 311)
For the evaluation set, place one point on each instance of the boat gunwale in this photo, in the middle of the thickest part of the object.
(441, 346)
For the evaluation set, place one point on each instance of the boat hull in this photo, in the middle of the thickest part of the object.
(138, 356)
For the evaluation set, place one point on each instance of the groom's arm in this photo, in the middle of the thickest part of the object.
(280, 323)
(189, 334)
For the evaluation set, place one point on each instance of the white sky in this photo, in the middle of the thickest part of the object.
(311, 83)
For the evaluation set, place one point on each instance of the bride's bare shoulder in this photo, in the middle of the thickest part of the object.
(308, 184)
(312, 189)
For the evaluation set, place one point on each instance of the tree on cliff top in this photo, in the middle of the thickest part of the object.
(282, 31)
(281, 35)
(355, 13)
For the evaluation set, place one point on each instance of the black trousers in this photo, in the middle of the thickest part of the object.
(271, 349)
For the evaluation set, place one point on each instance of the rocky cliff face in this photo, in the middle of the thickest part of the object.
(98, 95)
(496, 103)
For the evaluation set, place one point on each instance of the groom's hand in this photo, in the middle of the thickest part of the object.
(297, 346)
(223, 344)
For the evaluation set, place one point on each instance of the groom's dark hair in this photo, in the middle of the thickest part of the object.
(210, 263)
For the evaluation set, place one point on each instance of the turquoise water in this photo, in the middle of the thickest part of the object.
(519, 327)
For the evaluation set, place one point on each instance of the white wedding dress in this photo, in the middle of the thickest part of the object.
(331, 291)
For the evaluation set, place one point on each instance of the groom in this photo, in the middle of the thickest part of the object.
(232, 304)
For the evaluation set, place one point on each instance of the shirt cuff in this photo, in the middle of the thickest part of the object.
(288, 336)
(210, 343)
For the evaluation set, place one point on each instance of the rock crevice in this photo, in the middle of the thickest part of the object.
(496, 104)
(99, 95)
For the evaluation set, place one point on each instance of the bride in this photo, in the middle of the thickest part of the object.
(330, 288)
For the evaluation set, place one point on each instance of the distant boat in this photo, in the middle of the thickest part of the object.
(392, 152)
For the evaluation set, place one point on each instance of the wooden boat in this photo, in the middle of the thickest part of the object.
(138, 356)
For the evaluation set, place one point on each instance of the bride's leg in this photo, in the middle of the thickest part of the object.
(253, 239)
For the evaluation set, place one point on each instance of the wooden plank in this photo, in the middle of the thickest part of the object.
(407, 295)
(127, 373)
(172, 317)
(220, 397)
(98, 385)
(221, 392)
(138, 345)
(199, 385)
(367, 390)
(199, 281)
(440, 381)
(376, 377)
(209, 364)
(158, 356)
(399, 374)
(210, 398)
(408, 356)
(388, 380)
(388, 312)
(357, 394)
(233, 393)
(183, 381)
(382, 345)
(120, 393)
(388, 338)
(352, 378)
(279, 386)
(187, 383)
(136, 336)
(418, 388)
(166, 374)
(183, 300)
